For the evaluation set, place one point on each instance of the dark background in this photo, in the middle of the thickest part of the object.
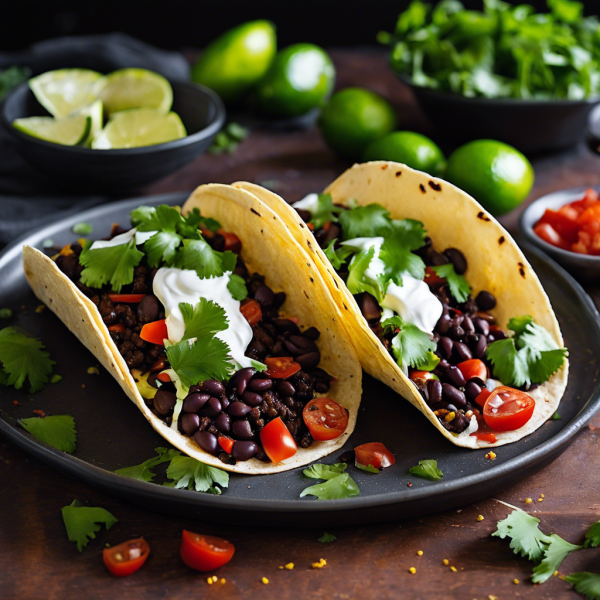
(178, 24)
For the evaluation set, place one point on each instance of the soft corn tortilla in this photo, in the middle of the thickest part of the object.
(268, 248)
(453, 219)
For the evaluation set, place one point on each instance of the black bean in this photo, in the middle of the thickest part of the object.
(279, 299)
(223, 422)
(305, 215)
(240, 271)
(312, 333)
(239, 409)
(303, 343)
(443, 365)
(369, 307)
(437, 258)
(321, 387)
(496, 334)
(242, 378)
(456, 332)
(224, 402)
(445, 345)
(472, 390)
(213, 387)
(260, 385)
(261, 454)
(457, 258)
(480, 347)
(444, 323)
(308, 361)
(286, 325)
(462, 352)
(212, 408)
(455, 376)
(241, 430)
(292, 348)
(485, 301)
(164, 402)
(467, 325)
(194, 402)
(264, 296)
(244, 450)
(434, 391)
(457, 320)
(481, 326)
(207, 441)
(251, 398)
(285, 388)
(148, 308)
(452, 395)
(152, 379)
(190, 423)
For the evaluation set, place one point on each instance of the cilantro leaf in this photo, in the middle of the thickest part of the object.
(194, 221)
(526, 538)
(358, 282)
(204, 319)
(555, 417)
(187, 472)
(159, 218)
(364, 221)
(197, 255)
(585, 583)
(458, 285)
(81, 522)
(325, 211)
(367, 468)
(592, 537)
(113, 265)
(161, 248)
(23, 357)
(396, 251)
(555, 552)
(341, 486)
(237, 287)
(338, 257)
(321, 471)
(57, 431)
(143, 471)
(427, 469)
(327, 538)
(410, 346)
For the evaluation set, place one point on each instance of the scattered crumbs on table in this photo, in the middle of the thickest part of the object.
(93, 371)
(40, 308)
(528, 500)
(280, 567)
(265, 580)
(480, 517)
(491, 597)
(446, 562)
(555, 573)
(289, 566)
(542, 496)
(540, 499)
(453, 569)
(490, 455)
(222, 581)
(412, 570)
(319, 565)
(516, 581)
(419, 552)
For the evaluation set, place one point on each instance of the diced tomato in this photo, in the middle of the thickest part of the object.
(566, 226)
(126, 558)
(127, 298)
(550, 235)
(119, 328)
(155, 332)
(252, 312)
(483, 396)
(473, 368)
(310, 226)
(432, 278)
(485, 436)
(164, 377)
(588, 200)
(232, 241)
(508, 409)
(423, 375)
(205, 552)
(281, 367)
(374, 454)
(277, 441)
(325, 419)
(225, 443)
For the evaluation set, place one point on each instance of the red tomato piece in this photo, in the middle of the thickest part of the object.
(225, 443)
(164, 377)
(128, 298)
(485, 437)
(473, 368)
(119, 328)
(325, 419)
(155, 332)
(205, 552)
(277, 441)
(546, 232)
(281, 367)
(126, 558)
(564, 222)
(483, 396)
(374, 454)
(252, 312)
(158, 364)
(414, 375)
(232, 241)
(432, 278)
(590, 198)
(508, 409)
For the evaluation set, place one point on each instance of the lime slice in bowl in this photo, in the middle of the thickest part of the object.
(95, 112)
(70, 131)
(63, 91)
(139, 127)
(134, 88)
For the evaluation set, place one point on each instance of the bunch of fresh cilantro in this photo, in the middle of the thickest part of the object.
(503, 51)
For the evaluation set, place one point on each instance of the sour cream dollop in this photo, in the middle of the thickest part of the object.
(309, 203)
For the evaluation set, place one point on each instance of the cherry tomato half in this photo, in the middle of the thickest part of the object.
(155, 332)
(423, 375)
(508, 409)
(205, 552)
(130, 298)
(325, 419)
(473, 368)
(281, 367)
(252, 312)
(126, 558)
(374, 454)
(277, 441)
(232, 241)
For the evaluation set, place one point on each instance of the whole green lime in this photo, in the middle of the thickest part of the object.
(237, 59)
(354, 118)
(497, 175)
(301, 78)
(412, 149)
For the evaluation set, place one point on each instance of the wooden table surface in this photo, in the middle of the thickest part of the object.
(37, 561)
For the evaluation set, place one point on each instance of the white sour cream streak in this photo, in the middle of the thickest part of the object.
(173, 286)
(124, 238)
(308, 203)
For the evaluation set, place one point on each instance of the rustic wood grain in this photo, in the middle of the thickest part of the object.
(37, 561)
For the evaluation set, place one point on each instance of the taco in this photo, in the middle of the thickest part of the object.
(217, 325)
(440, 302)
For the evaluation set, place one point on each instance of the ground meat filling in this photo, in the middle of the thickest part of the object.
(237, 409)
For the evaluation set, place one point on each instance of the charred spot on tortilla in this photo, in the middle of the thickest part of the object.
(501, 240)
(345, 305)
(301, 224)
(398, 173)
(255, 212)
(422, 188)
(306, 294)
(435, 186)
(481, 215)
(522, 269)
(312, 280)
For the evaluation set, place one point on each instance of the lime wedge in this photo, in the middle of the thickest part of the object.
(95, 112)
(139, 127)
(134, 88)
(70, 131)
(64, 91)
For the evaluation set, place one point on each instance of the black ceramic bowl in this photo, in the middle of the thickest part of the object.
(583, 266)
(528, 125)
(112, 171)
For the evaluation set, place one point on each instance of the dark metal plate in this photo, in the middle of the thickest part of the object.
(113, 434)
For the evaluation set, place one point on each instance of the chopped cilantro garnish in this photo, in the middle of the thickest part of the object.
(396, 252)
(358, 282)
(367, 468)
(531, 356)
(337, 257)
(187, 472)
(325, 211)
(556, 550)
(55, 378)
(23, 357)
(204, 319)
(555, 417)
(458, 285)
(427, 469)
(327, 538)
(237, 287)
(341, 486)
(57, 431)
(411, 346)
(161, 248)
(321, 471)
(592, 537)
(81, 522)
(198, 256)
(82, 228)
(5, 313)
(585, 583)
(143, 471)
(364, 221)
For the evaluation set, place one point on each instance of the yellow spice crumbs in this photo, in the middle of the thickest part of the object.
(280, 567)
(453, 569)
(222, 581)
(516, 581)
(412, 570)
(319, 565)
(420, 552)
(289, 566)
(214, 579)
(540, 499)
(480, 517)
(93, 371)
(528, 500)
(446, 561)
(542, 496)
(490, 455)
(265, 580)
(490, 597)
(555, 573)
(40, 308)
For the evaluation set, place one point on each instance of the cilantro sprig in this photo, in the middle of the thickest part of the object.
(410, 346)
(324, 210)
(57, 431)
(337, 484)
(530, 356)
(459, 288)
(81, 522)
(189, 473)
(143, 471)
